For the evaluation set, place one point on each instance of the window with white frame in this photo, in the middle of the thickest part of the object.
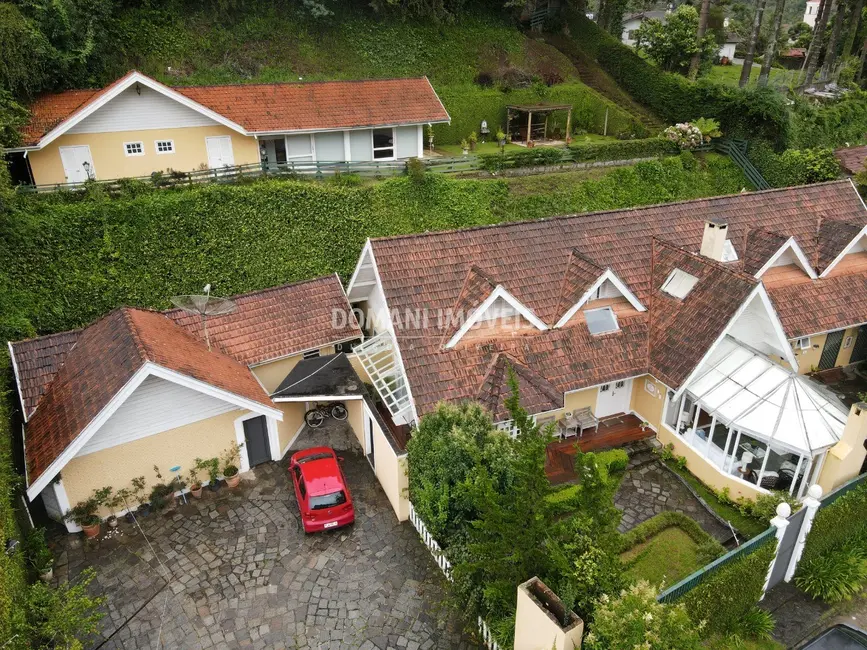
(383, 144)
(601, 321)
(679, 283)
(508, 426)
(134, 148)
(310, 354)
(165, 146)
(802, 343)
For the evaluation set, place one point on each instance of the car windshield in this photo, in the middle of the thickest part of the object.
(327, 500)
(320, 456)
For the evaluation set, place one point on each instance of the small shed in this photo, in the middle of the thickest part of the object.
(529, 122)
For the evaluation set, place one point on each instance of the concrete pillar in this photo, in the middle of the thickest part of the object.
(811, 502)
(542, 622)
(780, 522)
(844, 459)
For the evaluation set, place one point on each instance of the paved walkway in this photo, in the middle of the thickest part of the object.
(648, 488)
(235, 570)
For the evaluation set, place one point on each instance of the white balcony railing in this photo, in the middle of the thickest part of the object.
(377, 356)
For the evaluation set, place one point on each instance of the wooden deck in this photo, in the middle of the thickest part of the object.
(614, 431)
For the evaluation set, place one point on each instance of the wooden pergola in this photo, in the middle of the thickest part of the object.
(541, 126)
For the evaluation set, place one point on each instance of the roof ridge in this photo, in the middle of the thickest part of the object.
(300, 83)
(576, 215)
(133, 329)
(257, 292)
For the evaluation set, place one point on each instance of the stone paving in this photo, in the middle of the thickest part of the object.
(648, 488)
(235, 570)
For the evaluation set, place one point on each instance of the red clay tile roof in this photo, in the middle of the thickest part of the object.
(580, 274)
(310, 106)
(537, 393)
(834, 236)
(105, 357)
(852, 159)
(278, 322)
(760, 246)
(835, 302)
(682, 331)
(528, 258)
(267, 325)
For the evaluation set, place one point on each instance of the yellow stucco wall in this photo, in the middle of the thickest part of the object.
(391, 472)
(809, 359)
(581, 399)
(359, 369)
(293, 418)
(846, 352)
(117, 466)
(536, 629)
(844, 459)
(355, 408)
(110, 159)
(648, 406)
(271, 374)
(705, 471)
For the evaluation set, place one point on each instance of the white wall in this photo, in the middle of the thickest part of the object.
(156, 405)
(131, 111)
(754, 328)
(329, 146)
(629, 26)
(407, 141)
(727, 50)
(360, 146)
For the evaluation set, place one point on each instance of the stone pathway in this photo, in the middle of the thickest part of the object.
(648, 488)
(235, 570)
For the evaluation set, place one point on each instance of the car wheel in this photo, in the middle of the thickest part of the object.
(338, 412)
(314, 419)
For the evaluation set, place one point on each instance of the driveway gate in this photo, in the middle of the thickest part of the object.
(786, 548)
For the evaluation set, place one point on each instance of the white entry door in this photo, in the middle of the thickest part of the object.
(613, 398)
(77, 163)
(220, 152)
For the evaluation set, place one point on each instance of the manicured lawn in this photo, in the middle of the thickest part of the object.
(481, 147)
(731, 74)
(746, 526)
(667, 557)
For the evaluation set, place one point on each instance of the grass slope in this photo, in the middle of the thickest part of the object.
(71, 259)
(666, 558)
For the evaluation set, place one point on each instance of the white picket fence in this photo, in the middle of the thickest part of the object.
(446, 566)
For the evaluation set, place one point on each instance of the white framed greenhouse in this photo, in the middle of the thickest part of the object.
(756, 420)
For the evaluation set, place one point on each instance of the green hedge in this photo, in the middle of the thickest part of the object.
(741, 113)
(838, 124)
(836, 525)
(69, 259)
(469, 104)
(793, 166)
(725, 599)
(607, 151)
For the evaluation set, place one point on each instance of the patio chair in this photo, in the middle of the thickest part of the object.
(585, 420)
(770, 480)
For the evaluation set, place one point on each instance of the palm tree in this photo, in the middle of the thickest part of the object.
(831, 52)
(771, 49)
(751, 46)
(702, 29)
(854, 24)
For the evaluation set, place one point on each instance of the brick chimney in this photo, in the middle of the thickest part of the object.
(714, 238)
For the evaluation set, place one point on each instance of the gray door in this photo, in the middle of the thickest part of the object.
(859, 352)
(256, 436)
(786, 548)
(831, 350)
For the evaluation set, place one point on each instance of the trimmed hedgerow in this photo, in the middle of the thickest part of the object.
(607, 151)
(741, 113)
(793, 166)
(708, 550)
(68, 260)
(726, 598)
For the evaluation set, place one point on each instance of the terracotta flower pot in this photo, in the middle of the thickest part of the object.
(233, 481)
(91, 531)
(196, 492)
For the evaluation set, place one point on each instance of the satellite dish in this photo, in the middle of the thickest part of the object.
(204, 305)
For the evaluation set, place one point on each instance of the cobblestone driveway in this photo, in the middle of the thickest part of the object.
(241, 573)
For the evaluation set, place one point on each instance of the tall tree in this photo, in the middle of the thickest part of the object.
(771, 49)
(751, 46)
(703, 16)
(854, 26)
(823, 7)
(863, 58)
(818, 42)
(831, 51)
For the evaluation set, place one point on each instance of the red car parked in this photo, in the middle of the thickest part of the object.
(321, 490)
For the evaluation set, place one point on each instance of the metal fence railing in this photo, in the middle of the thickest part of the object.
(736, 150)
(446, 566)
(677, 591)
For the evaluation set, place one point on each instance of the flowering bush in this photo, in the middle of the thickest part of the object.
(685, 135)
(636, 620)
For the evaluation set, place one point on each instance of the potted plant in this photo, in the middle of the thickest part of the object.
(86, 513)
(644, 425)
(501, 138)
(138, 488)
(530, 144)
(212, 467)
(474, 139)
(38, 554)
(114, 502)
(465, 146)
(230, 468)
(194, 482)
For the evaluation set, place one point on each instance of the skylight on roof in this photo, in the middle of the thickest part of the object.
(679, 284)
(601, 321)
(729, 253)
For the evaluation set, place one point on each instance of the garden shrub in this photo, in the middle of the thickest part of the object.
(634, 619)
(837, 124)
(793, 166)
(724, 599)
(614, 460)
(836, 576)
(620, 150)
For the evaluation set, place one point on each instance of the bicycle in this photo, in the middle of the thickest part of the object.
(316, 416)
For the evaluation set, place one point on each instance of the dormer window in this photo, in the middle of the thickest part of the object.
(729, 253)
(679, 283)
(601, 321)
